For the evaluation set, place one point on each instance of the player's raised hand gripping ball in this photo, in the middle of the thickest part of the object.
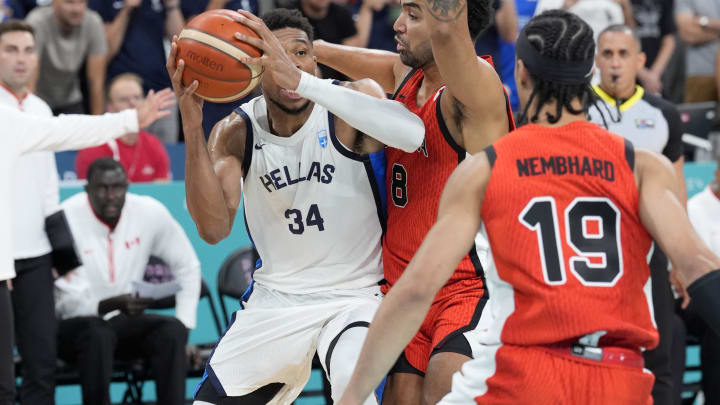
(213, 54)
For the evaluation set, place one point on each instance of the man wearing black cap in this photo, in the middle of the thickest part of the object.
(570, 211)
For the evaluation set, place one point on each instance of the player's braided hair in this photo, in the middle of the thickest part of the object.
(564, 37)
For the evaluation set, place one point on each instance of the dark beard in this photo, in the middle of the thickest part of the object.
(291, 111)
(409, 60)
(415, 61)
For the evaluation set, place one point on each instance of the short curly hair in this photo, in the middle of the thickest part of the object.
(280, 18)
(14, 25)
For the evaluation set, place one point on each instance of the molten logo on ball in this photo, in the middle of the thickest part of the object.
(213, 56)
(204, 60)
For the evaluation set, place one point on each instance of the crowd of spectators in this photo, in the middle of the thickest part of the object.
(84, 44)
(95, 56)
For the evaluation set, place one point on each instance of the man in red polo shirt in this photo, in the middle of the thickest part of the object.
(141, 154)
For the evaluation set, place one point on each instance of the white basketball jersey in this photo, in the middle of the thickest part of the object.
(312, 207)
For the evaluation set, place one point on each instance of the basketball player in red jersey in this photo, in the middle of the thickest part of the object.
(571, 211)
(460, 98)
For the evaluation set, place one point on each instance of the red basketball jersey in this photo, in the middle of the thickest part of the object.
(570, 253)
(414, 184)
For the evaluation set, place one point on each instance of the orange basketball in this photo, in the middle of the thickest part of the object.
(212, 55)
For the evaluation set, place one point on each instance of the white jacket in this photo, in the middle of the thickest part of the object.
(35, 195)
(23, 133)
(112, 259)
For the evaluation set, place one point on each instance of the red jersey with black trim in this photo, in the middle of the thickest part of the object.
(414, 184)
(561, 211)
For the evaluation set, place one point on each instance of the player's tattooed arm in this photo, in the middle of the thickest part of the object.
(473, 103)
(446, 10)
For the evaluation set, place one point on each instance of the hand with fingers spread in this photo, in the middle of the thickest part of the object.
(189, 103)
(275, 61)
(155, 107)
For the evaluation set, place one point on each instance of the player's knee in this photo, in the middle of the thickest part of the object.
(99, 333)
(403, 389)
(173, 331)
(343, 359)
(441, 367)
(428, 398)
(433, 393)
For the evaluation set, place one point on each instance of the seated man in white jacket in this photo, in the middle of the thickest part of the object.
(115, 234)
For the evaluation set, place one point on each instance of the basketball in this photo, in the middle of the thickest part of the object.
(212, 55)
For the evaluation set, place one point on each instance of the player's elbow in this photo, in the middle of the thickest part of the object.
(414, 129)
(697, 263)
(212, 235)
(420, 295)
(415, 141)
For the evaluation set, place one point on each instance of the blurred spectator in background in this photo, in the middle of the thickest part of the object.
(11, 9)
(28, 5)
(141, 154)
(196, 7)
(525, 10)
(69, 36)
(101, 320)
(704, 213)
(599, 14)
(504, 28)
(384, 14)
(334, 23)
(35, 196)
(651, 123)
(655, 25)
(698, 23)
(136, 31)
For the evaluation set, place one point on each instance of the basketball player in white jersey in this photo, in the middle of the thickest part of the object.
(300, 156)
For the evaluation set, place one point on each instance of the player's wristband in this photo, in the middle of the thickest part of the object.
(705, 295)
